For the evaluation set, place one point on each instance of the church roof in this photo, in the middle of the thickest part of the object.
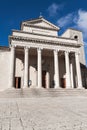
(40, 22)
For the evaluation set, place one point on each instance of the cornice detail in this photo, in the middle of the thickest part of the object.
(37, 26)
(34, 40)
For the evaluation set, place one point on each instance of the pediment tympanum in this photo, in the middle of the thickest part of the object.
(41, 22)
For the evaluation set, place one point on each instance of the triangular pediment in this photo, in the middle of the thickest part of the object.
(41, 22)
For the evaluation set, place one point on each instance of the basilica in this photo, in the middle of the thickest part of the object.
(38, 58)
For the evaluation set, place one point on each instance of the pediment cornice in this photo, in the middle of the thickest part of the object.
(39, 23)
(35, 26)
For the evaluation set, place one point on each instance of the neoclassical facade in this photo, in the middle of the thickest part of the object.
(37, 57)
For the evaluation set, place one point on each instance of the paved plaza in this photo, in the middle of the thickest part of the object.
(58, 113)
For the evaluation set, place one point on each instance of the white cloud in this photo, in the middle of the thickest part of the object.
(77, 20)
(82, 19)
(81, 22)
(53, 8)
(66, 20)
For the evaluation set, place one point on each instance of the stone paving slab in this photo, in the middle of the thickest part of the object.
(59, 113)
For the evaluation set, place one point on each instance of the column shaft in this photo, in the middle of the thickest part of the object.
(78, 71)
(72, 79)
(47, 80)
(39, 69)
(68, 83)
(12, 71)
(56, 69)
(26, 70)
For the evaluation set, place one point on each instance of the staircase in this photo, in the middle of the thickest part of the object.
(35, 92)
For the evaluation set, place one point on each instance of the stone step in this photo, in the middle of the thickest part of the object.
(34, 92)
(46, 90)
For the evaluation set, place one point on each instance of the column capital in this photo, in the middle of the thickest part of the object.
(39, 49)
(26, 48)
(13, 46)
(56, 50)
(77, 53)
(67, 52)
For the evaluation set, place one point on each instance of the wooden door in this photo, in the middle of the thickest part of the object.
(63, 82)
(17, 82)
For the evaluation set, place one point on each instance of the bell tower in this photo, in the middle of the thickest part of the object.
(77, 35)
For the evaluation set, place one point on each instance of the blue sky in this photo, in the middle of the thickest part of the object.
(63, 13)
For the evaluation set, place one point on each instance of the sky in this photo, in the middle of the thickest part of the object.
(63, 13)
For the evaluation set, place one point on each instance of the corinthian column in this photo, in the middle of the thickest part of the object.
(12, 71)
(26, 60)
(68, 83)
(56, 69)
(78, 71)
(39, 68)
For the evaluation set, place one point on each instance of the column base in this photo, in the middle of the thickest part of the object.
(39, 87)
(69, 87)
(80, 87)
(11, 86)
(26, 87)
(57, 87)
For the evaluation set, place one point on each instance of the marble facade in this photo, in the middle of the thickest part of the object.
(38, 57)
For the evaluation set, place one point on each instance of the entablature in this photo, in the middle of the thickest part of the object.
(30, 44)
(45, 40)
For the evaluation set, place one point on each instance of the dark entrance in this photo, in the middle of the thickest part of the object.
(44, 78)
(63, 82)
(17, 82)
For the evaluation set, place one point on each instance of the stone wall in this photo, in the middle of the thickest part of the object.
(4, 69)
